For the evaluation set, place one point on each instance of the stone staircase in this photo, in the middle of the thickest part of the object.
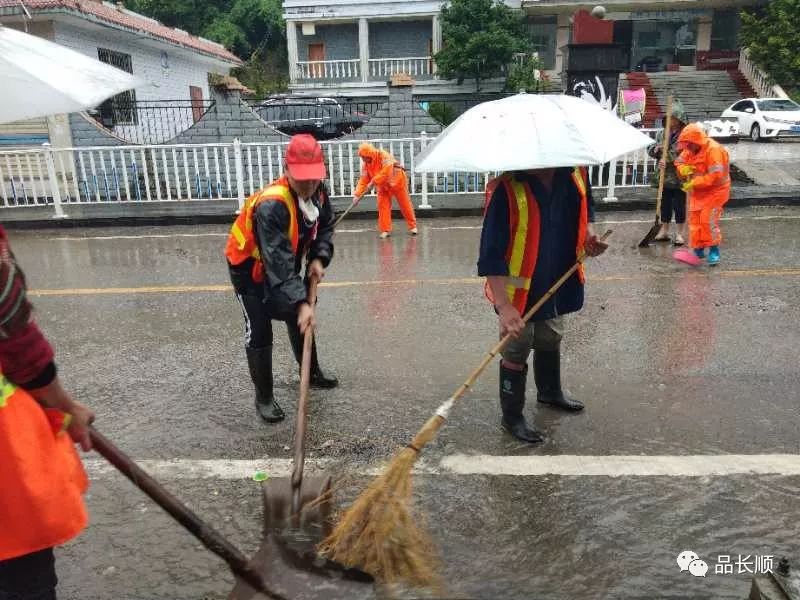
(704, 94)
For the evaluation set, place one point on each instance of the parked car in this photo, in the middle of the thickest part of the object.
(724, 129)
(324, 118)
(766, 118)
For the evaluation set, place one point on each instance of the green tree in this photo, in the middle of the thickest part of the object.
(480, 37)
(527, 74)
(772, 35)
(252, 29)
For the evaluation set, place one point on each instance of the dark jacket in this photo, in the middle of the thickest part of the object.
(558, 239)
(284, 288)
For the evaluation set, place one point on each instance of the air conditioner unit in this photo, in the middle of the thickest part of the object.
(309, 29)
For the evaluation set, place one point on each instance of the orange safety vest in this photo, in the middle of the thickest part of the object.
(42, 480)
(525, 223)
(242, 243)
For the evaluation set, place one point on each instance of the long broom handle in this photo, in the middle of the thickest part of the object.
(344, 214)
(211, 539)
(302, 406)
(662, 168)
(437, 420)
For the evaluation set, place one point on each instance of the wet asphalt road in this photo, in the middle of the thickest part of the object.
(670, 362)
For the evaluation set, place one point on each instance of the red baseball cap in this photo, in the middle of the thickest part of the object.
(304, 158)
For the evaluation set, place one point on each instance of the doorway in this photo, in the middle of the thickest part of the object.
(316, 54)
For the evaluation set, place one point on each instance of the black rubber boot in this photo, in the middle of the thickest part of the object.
(547, 374)
(512, 401)
(318, 378)
(260, 362)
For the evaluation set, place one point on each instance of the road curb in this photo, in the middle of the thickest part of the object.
(213, 216)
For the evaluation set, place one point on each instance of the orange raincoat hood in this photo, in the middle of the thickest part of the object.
(367, 150)
(694, 134)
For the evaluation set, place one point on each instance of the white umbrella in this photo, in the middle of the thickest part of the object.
(40, 78)
(530, 131)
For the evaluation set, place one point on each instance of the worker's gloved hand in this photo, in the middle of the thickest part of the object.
(688, 186)
(686, 171)
(593, 246)
(356, 199)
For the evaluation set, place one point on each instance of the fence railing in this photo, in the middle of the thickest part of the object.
(762, 83)
(211, 172)
(329, 69)
(415, 66)
(150, 122)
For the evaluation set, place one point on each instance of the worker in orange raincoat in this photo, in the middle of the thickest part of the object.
(703, 163)
(41, 478)
(388, 177)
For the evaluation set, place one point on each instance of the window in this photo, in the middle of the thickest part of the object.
(778, 105)
(741, 106)
(120, 109)
(725, 30)
(649, 39)
(542, 36)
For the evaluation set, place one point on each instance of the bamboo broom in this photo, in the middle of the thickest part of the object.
(378, 533)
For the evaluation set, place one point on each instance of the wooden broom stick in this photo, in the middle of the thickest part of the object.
(377, 533)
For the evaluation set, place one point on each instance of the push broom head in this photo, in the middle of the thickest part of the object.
(378, 533)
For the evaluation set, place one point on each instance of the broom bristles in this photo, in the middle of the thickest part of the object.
(378, 533)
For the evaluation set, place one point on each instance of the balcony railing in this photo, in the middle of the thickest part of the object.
(762, 83)
(416, 66)
(339, 70)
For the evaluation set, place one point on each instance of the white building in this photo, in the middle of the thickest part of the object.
(355, 46)
(173, 65)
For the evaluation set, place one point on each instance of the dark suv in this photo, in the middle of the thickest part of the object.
(324, 118)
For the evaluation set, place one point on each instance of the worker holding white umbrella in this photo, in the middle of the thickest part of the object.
(537, 225)
(41, 477)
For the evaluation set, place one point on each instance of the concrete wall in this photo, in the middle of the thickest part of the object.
(341, 41)
(399, 116)
(400, 39)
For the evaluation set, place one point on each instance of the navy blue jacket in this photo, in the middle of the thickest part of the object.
(559, 212)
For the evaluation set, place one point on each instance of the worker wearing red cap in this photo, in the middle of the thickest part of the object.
(283, 223)
(704, 166)
(388, 177)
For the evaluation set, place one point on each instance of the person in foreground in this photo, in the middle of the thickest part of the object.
(42, 481)
(283, 223)
(536, 223)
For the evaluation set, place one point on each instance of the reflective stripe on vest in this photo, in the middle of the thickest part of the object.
(525, 223)
(7, 390)
(242, 243)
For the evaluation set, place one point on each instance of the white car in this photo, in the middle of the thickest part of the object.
(765, 118)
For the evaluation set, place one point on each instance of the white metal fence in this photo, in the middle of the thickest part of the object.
(212, 172)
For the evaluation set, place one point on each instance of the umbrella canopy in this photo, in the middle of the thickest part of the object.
(40, 78)
(530, 131)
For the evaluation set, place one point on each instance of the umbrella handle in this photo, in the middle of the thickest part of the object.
(344, 214)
